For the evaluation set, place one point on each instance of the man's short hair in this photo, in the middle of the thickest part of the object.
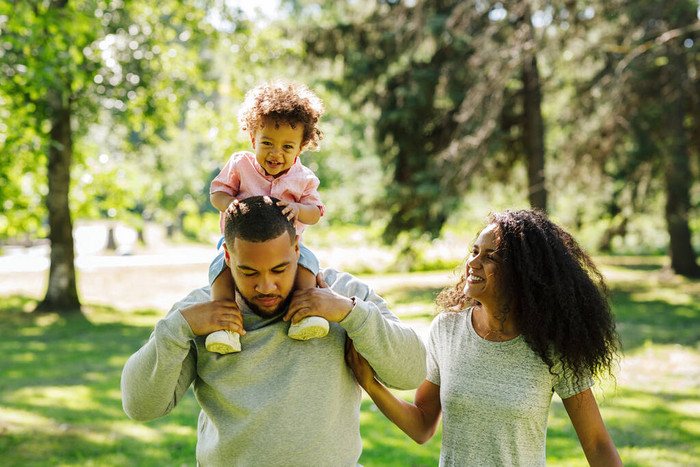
(256, 219)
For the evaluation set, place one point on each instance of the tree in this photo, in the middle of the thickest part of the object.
(75, 62)
(642, 96)
(459, 94)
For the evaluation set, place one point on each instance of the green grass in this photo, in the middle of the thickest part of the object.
(60, 401)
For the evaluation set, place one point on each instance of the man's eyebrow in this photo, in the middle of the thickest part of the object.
(248, 268)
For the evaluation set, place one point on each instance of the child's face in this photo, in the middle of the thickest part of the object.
(276, 148)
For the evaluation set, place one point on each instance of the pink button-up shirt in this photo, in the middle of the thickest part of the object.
(242, 177)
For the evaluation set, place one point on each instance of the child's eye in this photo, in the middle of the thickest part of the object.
(288, 147)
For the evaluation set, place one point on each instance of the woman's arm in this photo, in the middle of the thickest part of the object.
(590, 428)
(418, 420)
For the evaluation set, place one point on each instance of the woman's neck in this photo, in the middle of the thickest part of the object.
(493, 325)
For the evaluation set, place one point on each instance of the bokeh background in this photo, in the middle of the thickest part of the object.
(115, 115)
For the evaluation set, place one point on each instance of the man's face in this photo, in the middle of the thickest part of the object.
(264, 272)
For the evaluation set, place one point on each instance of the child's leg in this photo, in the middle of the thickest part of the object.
(223, 341)
(311, 326)
(222, 287)
(305, 279)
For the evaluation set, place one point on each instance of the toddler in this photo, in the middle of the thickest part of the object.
(281, 119)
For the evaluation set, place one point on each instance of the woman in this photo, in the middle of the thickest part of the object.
(538, 321)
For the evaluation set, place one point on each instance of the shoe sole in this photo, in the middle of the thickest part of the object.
(311, 327)
(223, 342)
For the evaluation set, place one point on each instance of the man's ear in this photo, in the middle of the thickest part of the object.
(296, 246)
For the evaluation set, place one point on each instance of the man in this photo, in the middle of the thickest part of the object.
(279, 401)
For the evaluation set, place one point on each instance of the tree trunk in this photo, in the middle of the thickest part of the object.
(62, 294)
(533, 125)
(677, 176)
(111, 241)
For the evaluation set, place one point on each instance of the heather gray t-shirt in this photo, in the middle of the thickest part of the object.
(495, 396)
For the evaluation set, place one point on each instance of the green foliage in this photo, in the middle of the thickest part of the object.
(132, 75)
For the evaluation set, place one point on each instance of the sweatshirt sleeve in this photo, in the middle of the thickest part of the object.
(391, 347)
(157, 376)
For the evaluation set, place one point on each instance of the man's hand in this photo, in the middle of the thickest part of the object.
(205, 318)
(321, 301)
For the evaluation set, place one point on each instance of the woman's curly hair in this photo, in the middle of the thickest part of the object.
(561, 300)
(283, 102)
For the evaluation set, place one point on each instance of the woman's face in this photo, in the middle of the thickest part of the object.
(484, 269)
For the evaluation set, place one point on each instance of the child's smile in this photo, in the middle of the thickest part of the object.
(277, 146)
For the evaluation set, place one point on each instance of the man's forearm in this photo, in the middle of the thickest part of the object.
(157, 376)
(392, 348)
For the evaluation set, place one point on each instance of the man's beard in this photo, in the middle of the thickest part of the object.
(264, 314)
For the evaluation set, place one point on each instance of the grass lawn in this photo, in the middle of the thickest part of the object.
(60, 401)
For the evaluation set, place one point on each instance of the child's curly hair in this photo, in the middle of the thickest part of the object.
(283, 102)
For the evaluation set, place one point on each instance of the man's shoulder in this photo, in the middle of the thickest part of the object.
(344, 282)
(203, 294)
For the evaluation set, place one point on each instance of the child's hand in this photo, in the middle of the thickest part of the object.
(292, 209)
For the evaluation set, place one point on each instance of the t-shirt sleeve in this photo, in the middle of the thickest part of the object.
(432, 352)
(567, 385)
(229, 179)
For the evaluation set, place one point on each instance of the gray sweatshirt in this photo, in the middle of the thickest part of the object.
(279, 401)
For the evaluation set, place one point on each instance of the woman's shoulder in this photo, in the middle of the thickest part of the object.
(449, 319)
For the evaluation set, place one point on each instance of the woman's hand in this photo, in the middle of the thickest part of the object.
(359, 366)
